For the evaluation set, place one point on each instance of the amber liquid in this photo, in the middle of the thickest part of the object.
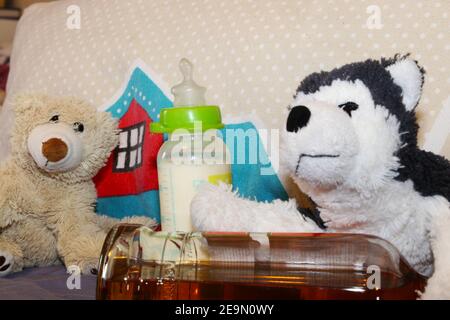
(244, 281)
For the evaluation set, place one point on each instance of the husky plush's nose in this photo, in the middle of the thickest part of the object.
(298, 118)
(54, 149)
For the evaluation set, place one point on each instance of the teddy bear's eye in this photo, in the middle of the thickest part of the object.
(78, 127)
(55, 118)
(349, 107)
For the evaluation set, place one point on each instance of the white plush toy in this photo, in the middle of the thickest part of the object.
(351, 145)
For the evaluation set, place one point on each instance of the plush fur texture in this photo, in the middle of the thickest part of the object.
(438, 286)
(47, 215)
(244, 215)
(354, 153)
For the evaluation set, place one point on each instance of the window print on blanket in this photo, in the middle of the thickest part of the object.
(128, 184)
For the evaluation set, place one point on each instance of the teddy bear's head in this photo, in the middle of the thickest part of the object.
(347, 126)
(62, 138)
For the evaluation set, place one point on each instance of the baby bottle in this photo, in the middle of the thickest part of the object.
(193, 154)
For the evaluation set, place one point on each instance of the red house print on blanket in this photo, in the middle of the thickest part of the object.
(131, 169)
(128, 184)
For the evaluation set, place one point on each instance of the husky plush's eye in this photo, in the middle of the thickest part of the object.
(349, 107)
(55, 118)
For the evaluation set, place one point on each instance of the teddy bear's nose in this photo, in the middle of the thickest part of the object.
(54, 149)
(298, 118)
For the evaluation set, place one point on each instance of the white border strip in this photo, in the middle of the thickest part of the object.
(138, 63)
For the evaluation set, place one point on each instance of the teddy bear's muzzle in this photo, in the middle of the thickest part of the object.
(55, 147)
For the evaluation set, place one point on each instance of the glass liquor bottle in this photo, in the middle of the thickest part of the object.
(138, 263)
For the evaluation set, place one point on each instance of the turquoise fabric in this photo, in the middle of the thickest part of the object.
(247, 177)
(143, 204)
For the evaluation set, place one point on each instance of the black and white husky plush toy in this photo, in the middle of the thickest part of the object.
(350, 143)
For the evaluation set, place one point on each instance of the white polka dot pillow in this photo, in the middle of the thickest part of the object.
(250, 54)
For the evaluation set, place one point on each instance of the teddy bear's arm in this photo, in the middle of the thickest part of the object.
(8, 199)
(7, 214)
(79, 239)
(18, 195)
(217, 208)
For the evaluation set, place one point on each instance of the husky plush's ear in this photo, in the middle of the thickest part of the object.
(408, 75)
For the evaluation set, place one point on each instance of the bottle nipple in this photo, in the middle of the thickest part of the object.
(188, 93)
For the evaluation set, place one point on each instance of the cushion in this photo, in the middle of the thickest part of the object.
(250, 54)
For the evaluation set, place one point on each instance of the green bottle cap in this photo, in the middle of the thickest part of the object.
(171, 119)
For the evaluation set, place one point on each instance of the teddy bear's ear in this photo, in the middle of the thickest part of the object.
(26, 103)
(409, 76)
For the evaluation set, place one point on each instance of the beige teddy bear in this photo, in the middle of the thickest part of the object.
(46, 193)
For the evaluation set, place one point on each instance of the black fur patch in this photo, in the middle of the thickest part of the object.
(314, 215)
(430, 173)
